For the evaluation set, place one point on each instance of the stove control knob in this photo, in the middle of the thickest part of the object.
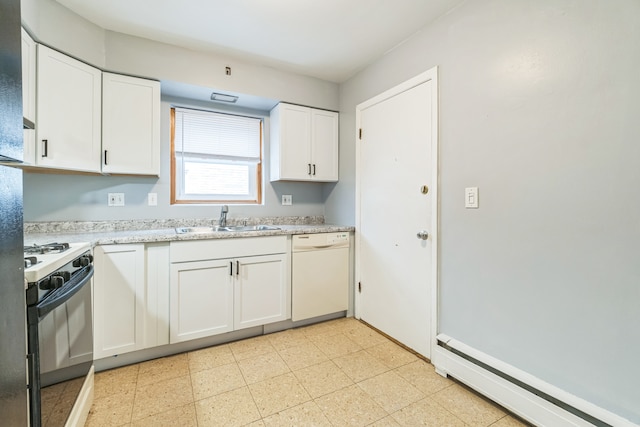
(56, 281)
(83, 261)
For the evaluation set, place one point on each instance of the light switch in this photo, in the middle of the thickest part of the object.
(152, 199)
(471, 197)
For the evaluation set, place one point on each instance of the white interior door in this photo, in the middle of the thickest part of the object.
(396, 165)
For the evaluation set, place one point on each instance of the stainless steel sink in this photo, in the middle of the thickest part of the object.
(247, 228)
(186, 230)
(228, 228)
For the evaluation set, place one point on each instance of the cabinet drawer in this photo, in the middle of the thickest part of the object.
(199, 250)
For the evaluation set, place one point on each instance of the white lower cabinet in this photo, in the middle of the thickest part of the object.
(130, 298)
(147, 295)
(221, 294)
(261, 291)
(201, 300)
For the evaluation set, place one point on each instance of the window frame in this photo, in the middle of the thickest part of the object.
(259, 170)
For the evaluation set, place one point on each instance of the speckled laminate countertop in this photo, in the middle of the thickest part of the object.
(123, 232)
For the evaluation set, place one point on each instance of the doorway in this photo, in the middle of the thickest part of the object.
(396, 211)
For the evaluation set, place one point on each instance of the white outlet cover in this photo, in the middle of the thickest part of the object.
(287, 200)
(152, 199)
(115, 199)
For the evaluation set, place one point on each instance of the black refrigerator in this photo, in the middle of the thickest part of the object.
(13, 383)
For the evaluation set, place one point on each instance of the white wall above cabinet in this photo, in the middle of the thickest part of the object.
(69, 98)
(304, 144)
(130, 125)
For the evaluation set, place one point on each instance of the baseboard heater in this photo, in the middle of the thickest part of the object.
(476, 369)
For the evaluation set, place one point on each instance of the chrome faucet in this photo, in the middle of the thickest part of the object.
(223, 216)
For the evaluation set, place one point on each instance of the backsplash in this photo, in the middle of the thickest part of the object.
(153, 224)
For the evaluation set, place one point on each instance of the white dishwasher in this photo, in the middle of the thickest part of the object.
(319, 274)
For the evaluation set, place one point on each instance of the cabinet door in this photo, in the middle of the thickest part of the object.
(262, 290)
(68, 111)
(201, 299)
(119, 299)
(130, 125)
(295, 142)
(324, 145)
(156, 331)
(29, 95)
(28, 77)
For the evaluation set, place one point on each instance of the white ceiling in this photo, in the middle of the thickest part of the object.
(328, 39)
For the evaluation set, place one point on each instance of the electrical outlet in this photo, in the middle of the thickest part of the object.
(152, 199)
(287, 200)
(115, 199)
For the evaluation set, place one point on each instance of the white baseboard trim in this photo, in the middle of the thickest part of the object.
(518, 400)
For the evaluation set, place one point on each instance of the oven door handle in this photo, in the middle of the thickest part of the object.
(65, 293)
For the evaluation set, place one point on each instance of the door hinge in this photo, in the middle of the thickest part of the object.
(359, 286)
(360, 133)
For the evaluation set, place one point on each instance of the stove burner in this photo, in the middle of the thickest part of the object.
(30, 261)
(48, 248)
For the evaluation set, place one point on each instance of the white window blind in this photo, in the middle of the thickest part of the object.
(216, 156)
(216, 134)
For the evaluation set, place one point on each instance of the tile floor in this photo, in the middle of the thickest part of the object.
(336, 373)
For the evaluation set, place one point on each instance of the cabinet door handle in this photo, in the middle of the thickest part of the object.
(230, 268)
(45, 147)
(237, 268)
(308, 168)
(314, 170)
(105, 157)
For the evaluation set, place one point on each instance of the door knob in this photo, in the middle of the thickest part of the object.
(424, 235)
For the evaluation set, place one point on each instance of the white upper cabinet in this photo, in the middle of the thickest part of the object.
(130, 125)
(28, 77)
(69, 100)
(29, 95)
(324, 145)
(304, 144)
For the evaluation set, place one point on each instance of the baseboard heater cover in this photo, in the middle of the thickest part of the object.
(583, 410)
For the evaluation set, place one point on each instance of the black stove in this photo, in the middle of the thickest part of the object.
(60, 329)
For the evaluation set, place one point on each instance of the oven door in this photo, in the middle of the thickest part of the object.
(64, 350)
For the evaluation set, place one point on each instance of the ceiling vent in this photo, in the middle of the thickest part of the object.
(221, 97)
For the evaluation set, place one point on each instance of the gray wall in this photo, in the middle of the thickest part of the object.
(50, 197)
(539, 106)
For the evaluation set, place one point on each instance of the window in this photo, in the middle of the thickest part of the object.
(215, 157)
